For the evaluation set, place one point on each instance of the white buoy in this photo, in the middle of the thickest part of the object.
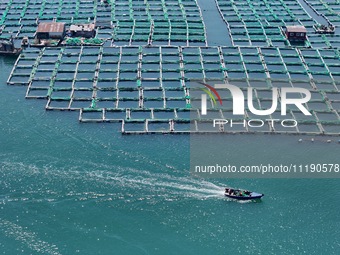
(312, 140)
(328, 141)
(300, 140)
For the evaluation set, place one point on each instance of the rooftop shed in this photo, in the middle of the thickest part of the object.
(296, 33)
(50, 30)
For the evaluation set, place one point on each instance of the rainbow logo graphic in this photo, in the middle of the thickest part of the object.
(208, 89)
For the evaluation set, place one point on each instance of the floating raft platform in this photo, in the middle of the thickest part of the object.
(257, 23)
(144, 76)
(119, 22)
(157, 86)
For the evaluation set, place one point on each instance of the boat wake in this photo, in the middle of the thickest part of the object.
(157, 185)
(29, 238)
(104, 182)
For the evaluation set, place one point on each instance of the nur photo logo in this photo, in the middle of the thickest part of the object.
(208, 89)
(285, 96)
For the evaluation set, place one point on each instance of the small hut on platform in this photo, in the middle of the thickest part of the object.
(82, 30)
(296, 33)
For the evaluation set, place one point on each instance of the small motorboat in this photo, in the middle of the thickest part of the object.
(7, 48)
(242, 194)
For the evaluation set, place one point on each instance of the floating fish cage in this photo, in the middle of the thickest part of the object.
(262, 23)
(150, 89)
(147, 57)
(119, 22)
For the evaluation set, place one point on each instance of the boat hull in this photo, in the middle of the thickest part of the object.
(16, 52)
(253, 195)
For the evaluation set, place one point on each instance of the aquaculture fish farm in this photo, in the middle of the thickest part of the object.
(144, 75)
(121, 22)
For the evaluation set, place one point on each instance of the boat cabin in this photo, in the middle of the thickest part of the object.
(296, 33)
(6, 45)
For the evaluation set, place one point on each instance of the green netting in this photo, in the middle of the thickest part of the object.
(149, 80)
(144, 18)
(247, 19)
(73, 41)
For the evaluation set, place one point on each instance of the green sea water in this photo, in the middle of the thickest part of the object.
(70, 188)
